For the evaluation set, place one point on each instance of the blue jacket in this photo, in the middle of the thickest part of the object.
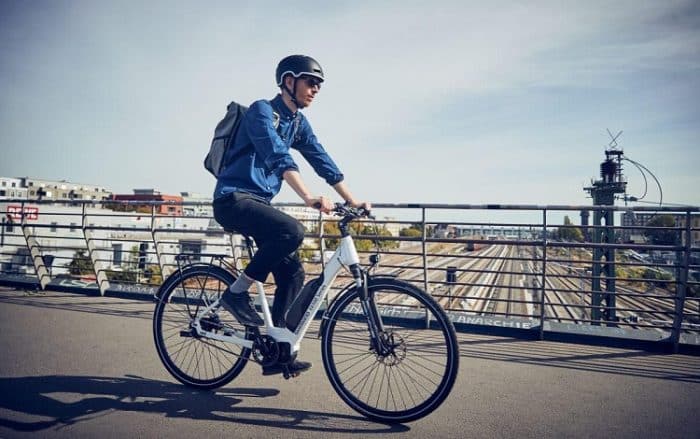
(260, 153)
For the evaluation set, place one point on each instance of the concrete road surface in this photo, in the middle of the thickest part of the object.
(75, 366)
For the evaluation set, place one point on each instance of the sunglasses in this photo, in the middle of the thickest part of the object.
(312, 82)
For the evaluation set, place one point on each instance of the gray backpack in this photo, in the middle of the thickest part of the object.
(224, 134)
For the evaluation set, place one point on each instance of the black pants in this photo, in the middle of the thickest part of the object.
(277, 236)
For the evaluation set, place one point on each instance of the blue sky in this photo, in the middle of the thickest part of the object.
(445, 102)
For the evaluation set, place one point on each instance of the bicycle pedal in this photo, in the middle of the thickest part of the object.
(288, 375)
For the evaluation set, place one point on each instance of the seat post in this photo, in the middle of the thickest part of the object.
(235, 247)
(249, 245)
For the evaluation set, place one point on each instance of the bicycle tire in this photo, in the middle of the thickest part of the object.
(194, 361)
(351, 364)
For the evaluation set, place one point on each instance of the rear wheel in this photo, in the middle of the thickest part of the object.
(418, 367)
(193, 360)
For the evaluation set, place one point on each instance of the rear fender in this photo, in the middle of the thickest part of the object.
(175, 276)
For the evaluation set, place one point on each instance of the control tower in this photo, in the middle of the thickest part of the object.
(603, 192)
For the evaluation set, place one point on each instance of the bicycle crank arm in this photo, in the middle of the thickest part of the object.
(221, 337)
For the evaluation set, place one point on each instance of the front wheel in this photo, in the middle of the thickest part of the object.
(418, 366)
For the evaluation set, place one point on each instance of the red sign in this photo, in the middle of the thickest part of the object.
(15, 212)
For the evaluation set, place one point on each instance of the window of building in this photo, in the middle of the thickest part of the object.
(4, 183)
(53, 227)
(117, 254)
(73, 226)
(192, 248)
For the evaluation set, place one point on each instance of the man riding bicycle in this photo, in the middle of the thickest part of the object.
(257, 163)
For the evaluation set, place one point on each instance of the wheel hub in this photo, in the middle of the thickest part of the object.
(210, 323)
(393, 350)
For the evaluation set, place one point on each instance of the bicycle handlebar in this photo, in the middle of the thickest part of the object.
(341, 209)
(355, 212)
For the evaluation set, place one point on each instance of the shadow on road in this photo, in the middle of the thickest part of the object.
(54, 401)
(601, 359)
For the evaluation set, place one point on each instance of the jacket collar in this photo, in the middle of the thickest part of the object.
(281, 108)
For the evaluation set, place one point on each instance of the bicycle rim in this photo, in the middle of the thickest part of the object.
(192, 360)
(410, 382)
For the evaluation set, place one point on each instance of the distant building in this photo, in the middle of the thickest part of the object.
(641, 219)
(172, 204)
(306, 215)
(62, 190)
(445, 231)
(496, 232)
(694, 226)
(12, 188)
(203, 209)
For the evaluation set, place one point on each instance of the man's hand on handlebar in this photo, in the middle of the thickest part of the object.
(323, 204)
(360, 205)
(355, 212)
(362, 210)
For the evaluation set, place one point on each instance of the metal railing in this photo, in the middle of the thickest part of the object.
(511, 266)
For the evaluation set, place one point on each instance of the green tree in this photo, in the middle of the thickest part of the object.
(665, 236)
(369, 244)
(411, 232)
(331, 228)
(130, 268)
(153, 274)
(569, 233)
(80, 264)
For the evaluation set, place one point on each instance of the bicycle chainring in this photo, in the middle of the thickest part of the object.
(266, 350)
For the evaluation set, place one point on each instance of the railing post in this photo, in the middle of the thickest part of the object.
(425, 263)
(156, 246)
(544, 272)
(681, 286)
(100, 277)
(42, 273)
(424, 248)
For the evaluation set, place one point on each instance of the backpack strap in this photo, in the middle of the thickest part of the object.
(297, 121)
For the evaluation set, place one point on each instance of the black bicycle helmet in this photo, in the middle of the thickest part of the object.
(297, 65)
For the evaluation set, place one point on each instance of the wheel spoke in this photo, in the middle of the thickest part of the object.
(192, 359)
(407, 380)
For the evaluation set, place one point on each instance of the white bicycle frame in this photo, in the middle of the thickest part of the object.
(344, 255)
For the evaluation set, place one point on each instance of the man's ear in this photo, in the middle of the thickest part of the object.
(289, 82)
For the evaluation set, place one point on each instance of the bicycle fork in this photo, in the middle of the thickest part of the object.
(380, 341)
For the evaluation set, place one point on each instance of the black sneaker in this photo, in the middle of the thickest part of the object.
(294, 368)
(239, 305)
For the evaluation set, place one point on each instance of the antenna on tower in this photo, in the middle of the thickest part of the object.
(613, 139)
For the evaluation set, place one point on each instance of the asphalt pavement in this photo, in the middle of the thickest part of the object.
(79, 366)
